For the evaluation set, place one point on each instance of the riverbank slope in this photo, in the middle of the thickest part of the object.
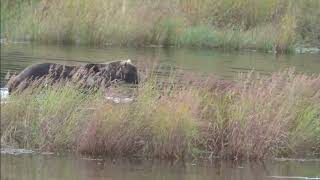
(267, 25)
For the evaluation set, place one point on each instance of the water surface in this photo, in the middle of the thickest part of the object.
(226, 65)
(15, 57)
(39, 167)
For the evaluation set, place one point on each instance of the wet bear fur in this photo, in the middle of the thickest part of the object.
(89, 75)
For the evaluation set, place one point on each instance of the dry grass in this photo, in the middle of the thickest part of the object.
(255, 117)
(233, 24)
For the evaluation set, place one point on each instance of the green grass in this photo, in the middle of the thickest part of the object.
(255, 117)
(266, 25)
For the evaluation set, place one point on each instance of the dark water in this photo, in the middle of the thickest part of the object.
(225, 65)
(39, 167)
(15, 57)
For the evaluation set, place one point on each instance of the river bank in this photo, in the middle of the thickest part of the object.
(268, 25)
(255, 117)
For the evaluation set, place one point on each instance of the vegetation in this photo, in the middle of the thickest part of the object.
(254, 117)
(233, 24)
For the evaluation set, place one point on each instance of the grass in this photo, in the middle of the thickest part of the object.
(268, 25)
(255, 117)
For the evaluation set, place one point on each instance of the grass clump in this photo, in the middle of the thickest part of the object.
(150, 127)
(255, 117)
(269, 25)
(43, 118)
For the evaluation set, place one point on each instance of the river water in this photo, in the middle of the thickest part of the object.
(225, 65)
(40, 167)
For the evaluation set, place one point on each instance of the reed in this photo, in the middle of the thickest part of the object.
(255, 117)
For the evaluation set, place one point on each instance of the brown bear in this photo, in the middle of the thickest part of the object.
(90, 75)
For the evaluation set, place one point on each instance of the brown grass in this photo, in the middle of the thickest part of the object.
(255, 117)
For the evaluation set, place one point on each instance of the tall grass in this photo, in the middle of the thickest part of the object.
(255, 117)
(233, 24)
(48, 119)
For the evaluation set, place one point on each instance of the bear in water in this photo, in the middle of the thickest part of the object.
(89, 75)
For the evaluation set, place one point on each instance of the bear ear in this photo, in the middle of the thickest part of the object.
(125, 62)
(8, 76)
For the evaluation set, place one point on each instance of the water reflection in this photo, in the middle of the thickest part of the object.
(36, 167)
